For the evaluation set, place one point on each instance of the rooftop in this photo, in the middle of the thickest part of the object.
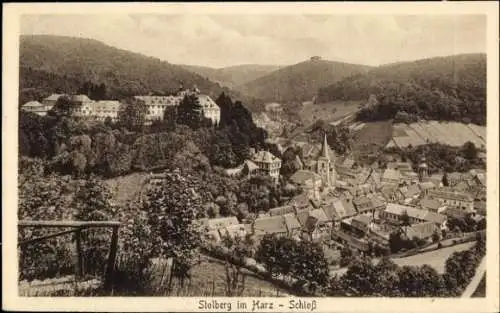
(265, 157)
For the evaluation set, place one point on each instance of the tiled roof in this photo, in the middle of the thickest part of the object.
(233, 231)
(420, 230)
(270, 225)
(319, 215)
(431, 204)
(302, 217)
(291, 221)
(450, 194)
(33, 104)
(410, 191)
(390, 174)
(206, 102)
(53, 97)
(301, 176)
(80, 98)
(344, 208)
(265, 157)
(414, 212)
(362, 220)
(216, 223)
(282, 210)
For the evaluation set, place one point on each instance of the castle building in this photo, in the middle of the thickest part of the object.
(36, 107)
(269, 165)
(157, 104)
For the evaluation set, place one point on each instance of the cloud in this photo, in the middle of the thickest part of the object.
(223, 40)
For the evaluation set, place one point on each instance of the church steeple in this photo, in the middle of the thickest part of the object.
(325, 149)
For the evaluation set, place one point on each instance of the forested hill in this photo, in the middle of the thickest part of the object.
(61, 64)
(233, 76)
(443, 88)
(301, 81)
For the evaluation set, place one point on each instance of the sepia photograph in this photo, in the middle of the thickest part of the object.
(286, 157)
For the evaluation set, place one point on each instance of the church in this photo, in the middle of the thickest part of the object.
(318, 170)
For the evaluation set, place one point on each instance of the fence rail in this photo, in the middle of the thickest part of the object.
(77, 227)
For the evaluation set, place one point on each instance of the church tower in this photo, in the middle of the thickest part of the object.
(325, 165)
(423, 170)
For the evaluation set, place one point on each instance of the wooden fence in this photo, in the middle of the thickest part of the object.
(77, 227)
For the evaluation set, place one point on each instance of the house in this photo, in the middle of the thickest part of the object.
(390, 193)
(395, 212)
(104, 109)
(391, 176)
(454, 178)
(357, 244)
(209, 108)
(309, 181)
(282, 210)
(432, 205)
(480, 207)
(451, 197)
(426, 186)
(233, 231)
(292, 224)
(362, 223)
(316, 225)
(221, 222)
(409, 193)
(269, 165)
(51, 100)
(36, 108)
(436, 179)
(364, 204)
(480, 179)
(156, 105)
(280, 225)
(410, 177)
(344, 208)
(422, 231)
(400, 166)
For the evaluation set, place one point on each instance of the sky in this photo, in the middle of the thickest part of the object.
(226, 40)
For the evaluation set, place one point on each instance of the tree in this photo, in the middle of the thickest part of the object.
(469, 150)
(360, 277)
(239, 248)
(444, 180)
(303, 262)
(189, 112)
(132, 114)
(172, 211)
(64, 106)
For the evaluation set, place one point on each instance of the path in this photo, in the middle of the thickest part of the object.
(480, 272)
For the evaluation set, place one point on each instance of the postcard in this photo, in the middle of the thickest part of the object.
(250, 157)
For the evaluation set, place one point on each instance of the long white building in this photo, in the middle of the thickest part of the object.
(157, 104)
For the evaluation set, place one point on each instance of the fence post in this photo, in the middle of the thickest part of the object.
(108, 282)
(79, 254)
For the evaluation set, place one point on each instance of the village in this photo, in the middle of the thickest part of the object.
(362, 209)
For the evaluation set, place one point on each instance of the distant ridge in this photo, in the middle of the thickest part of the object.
(64, 63)
(300, 82)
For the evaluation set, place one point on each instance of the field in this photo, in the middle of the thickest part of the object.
(436, 258)
(374, 133)
(125, 188)
(329, 112)
(450, 133)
